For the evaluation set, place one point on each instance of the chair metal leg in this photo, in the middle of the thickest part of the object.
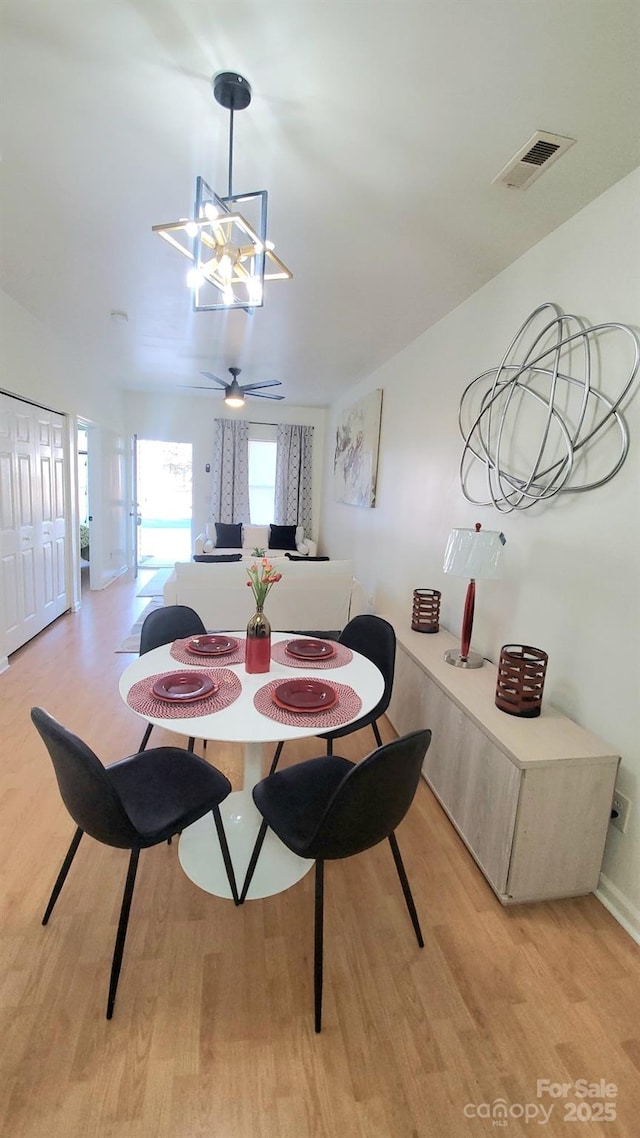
(191, 744)
(404, 881)
(145, 737)
(226, 856)
(61, 878)
(122, 930)
(253, 860)
(276, 757)
(329, 745)
(317, 950)
(377, 733)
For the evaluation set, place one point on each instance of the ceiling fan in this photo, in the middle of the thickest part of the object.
(235, 392)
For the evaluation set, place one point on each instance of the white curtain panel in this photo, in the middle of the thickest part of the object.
(293, 476)
(230, 471)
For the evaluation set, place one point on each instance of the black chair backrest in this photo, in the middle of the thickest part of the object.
(85, 787)
(374, 638)
(164, 625)
(371, 800)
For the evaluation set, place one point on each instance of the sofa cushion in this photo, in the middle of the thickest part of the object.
(217, 557)
(282, 537)
(319, 596)
(228, 536)
(255, 537)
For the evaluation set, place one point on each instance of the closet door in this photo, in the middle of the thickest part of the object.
(32, 520)
(49, 448)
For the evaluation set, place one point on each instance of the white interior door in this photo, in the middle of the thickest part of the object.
(32, 520)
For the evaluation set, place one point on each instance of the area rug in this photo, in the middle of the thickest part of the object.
(154, 587)
(131, 643)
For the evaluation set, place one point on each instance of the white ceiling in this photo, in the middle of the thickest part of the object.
(376, 126)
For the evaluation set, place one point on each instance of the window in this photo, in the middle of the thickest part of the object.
(262, 480)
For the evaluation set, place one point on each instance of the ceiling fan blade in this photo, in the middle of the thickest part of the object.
(267, 383)
(256, 395)
(215, 378)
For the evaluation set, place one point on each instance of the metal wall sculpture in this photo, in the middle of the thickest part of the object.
(531, 422)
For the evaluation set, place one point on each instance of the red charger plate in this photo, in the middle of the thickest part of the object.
(212, 645)
(304, 695)
(311, 649)
(181, 687)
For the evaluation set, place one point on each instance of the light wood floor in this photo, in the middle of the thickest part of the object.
(213, 1028)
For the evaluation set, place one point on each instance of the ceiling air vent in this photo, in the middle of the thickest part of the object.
(533, 159)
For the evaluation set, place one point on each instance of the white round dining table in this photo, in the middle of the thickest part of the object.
(240, 722)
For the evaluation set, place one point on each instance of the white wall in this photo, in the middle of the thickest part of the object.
(37, 365)
(571, 568)
(188, 418)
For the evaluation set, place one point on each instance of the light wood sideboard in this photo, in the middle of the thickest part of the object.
(531, 798)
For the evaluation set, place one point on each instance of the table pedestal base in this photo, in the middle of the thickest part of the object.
(201, 860)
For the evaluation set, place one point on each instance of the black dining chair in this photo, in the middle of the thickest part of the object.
(330, 808)
(131, 804)
(374, 638)
(163, 626)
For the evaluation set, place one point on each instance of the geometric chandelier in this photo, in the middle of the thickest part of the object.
(229, 250)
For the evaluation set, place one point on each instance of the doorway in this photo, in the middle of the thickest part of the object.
(164, 503)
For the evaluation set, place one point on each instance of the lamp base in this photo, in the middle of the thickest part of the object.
(473, 660)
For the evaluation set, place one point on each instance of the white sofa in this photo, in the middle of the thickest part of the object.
(253, 537)
(318, 596)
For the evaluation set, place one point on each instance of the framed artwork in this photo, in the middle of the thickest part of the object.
(355, 461)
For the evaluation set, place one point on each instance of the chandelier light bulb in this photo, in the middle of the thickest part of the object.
(191, 229)
(255, 291)
(195, 278)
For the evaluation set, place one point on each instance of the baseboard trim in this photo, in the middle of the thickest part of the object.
(616, 903)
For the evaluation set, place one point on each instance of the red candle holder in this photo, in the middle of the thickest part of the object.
(521, 676)
(425, 615)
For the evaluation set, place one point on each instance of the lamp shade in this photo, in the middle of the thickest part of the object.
(474, 553)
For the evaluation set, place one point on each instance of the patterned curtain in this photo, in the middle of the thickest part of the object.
(230, 477)
(293, 476)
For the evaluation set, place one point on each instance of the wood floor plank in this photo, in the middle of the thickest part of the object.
(213, 1028)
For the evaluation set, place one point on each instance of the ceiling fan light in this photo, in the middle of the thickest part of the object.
(234, 400)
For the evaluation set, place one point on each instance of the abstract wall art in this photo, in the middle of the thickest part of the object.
(549, 418)
(355, 460)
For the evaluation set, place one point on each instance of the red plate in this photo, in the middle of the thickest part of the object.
(311, 649)
(304, 695)
(181, 687)
(212, 645)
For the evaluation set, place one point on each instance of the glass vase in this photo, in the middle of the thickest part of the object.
(258, 647)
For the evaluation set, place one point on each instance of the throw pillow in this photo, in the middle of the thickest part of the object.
(282, 537)
(228, 536)
(302, 557)
(217, 557)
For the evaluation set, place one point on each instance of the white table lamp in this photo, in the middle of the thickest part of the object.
(472, 553)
